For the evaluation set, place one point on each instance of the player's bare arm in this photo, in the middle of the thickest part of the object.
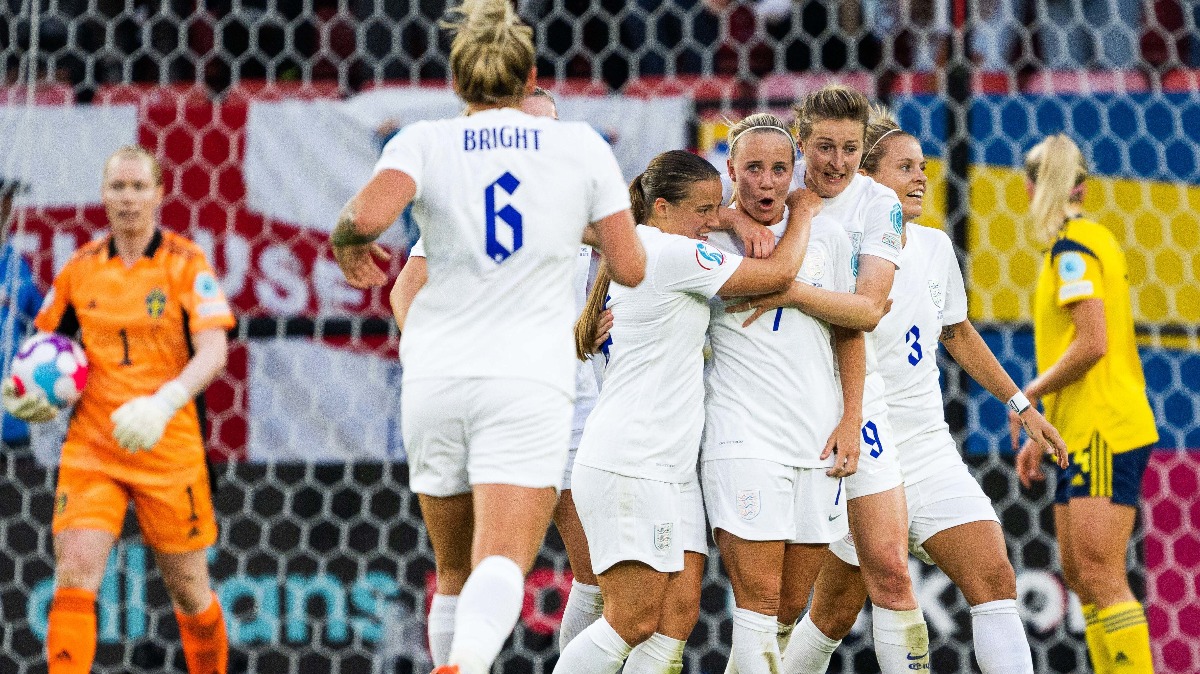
(966, 346)
(850, 348)
(616, 238)
(366, 216)
(411, 279)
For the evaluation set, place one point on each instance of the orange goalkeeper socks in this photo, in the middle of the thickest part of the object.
(71, 635)
(205, 642)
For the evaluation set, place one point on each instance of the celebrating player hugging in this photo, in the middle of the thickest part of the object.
(635, 482)
(489, 378)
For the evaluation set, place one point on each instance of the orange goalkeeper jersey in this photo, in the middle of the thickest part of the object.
(135, 324)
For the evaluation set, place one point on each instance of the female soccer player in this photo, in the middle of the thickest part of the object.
(831, 124)
(950, 520)
(152, 320)
(773, 402)
(502, 200)
(1090, 380)
(635, 481)
(583, 603)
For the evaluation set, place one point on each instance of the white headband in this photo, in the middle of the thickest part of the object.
(756, 128)
(876, 143)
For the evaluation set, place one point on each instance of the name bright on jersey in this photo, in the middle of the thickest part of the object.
(516, 138)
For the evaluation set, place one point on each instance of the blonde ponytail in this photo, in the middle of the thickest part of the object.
(1056, 168)
(585, 327)
(492, 53)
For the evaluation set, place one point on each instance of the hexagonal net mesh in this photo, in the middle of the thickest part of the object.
(267, 114)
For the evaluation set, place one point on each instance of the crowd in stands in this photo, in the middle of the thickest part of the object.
(89, 43)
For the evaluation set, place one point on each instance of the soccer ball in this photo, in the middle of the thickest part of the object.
(52, 365)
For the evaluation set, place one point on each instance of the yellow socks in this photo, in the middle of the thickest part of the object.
(1126, 639)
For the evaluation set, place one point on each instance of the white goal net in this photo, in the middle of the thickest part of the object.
(267, 114)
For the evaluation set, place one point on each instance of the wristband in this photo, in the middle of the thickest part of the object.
(1018, 403)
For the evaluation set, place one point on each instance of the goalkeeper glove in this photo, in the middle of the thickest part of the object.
(140, 422)
(29, 406)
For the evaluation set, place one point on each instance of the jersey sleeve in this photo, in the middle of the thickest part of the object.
(956, 291)
(405, 152)
(202, 298)
(883, 225)
(1077, 272)
(609, 193)
(57, 313)
(418, 249)
(690, 266)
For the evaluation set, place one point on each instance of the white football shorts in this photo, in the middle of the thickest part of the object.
(878, 459)
(460, 432)
(635, 519)
(761, 500)
(942, 501)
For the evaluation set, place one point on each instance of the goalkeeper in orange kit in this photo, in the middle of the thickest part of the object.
(152, 320)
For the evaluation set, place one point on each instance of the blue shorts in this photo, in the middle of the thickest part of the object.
(1096, 471)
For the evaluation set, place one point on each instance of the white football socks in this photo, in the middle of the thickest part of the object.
(901, 640)
(1001, 646)
(441, 626)
(584, 607)
(809, 650)
(660, 654)
(597, 650)
(755, 649)
(488, 609)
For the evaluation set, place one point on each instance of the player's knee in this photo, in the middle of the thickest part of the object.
(992, 580)
(835, 619)
(684, 611)
(189, 592)
(634, 624)
(888, 582)
(80, 571)
(790, 608)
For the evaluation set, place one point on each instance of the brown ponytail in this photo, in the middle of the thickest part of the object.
(585, 327)
(637, 200)
(1056, 167)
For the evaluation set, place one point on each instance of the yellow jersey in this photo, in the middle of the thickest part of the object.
(1108, 406)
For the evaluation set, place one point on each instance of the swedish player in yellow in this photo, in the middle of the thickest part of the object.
(1091, 383)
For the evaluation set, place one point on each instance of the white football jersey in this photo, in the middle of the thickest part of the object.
(928, 293)
(502, 200)
(872, 217)
(772, 390)
(650, 415)
(586, 388)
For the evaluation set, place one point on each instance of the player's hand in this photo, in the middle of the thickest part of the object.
(1044, 435)
(30, 406)
(801, 199)
(757, 240)
(603, 326)
(759, 305)
(1029, 464)
(139, 423)
(843, 444)
(359, 266)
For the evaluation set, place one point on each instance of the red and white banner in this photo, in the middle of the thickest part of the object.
(259, 184)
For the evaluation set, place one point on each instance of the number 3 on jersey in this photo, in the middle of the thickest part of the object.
(501, 243)
(911, 338)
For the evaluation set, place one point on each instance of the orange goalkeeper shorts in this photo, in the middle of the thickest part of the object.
(174, 517)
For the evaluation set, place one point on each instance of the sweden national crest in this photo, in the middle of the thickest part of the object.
(156, 303)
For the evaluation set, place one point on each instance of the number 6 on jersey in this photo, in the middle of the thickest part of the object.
(496, 248)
